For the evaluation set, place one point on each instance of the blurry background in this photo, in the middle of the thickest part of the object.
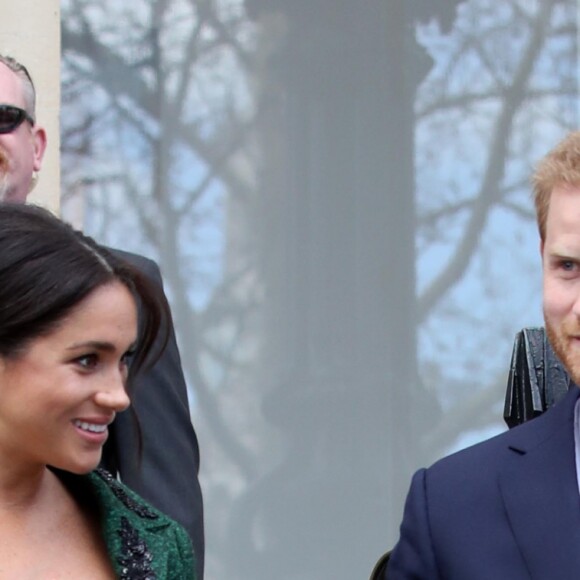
(337, 193)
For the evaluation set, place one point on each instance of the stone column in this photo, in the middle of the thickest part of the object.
(337, 227)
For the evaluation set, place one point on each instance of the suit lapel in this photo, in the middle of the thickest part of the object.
(540, 493)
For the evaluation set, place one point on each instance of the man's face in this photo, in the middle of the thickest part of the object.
(21, 150)
(561, 276)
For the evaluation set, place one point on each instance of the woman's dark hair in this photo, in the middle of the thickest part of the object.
(47, 268)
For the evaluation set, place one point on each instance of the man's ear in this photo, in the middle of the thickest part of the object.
(39, 143)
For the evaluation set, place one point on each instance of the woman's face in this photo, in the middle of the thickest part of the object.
(58, 396)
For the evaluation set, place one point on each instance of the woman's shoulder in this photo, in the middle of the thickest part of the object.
(140, 539)
(114, 495)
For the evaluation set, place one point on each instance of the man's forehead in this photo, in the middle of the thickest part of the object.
(11, 89)
(563, 217)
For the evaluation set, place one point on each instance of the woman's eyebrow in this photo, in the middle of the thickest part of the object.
(93, 344)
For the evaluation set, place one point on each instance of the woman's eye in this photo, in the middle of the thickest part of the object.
(87, 361)
(127, 357)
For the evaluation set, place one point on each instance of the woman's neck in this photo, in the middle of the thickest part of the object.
(21, 490)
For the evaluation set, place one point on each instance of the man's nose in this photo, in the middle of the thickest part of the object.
(576, 305)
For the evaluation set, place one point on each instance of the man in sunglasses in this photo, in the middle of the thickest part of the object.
(22, 142)
(167, 474)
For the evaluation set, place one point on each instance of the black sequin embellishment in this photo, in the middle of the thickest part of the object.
(117, 489)
(135, 559)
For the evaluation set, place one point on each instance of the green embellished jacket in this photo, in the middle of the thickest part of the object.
(143, 543)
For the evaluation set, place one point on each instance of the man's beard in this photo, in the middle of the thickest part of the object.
(4, 166)
(560, 340)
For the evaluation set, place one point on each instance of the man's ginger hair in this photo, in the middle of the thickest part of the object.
(560, 167)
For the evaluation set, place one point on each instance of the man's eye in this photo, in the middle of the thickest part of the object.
(87, 361)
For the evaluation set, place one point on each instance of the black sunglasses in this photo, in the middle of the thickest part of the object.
(12, 117)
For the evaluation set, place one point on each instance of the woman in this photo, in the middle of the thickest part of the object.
(68, 327)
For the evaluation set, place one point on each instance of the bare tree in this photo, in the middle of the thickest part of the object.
(504, 86)
(174, 137)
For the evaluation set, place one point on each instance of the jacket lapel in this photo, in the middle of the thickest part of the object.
(130, 528)
(540, 493)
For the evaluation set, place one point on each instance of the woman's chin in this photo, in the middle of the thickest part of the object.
(80, 467)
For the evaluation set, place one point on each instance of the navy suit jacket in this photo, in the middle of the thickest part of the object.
(505, 509)
(167, 475)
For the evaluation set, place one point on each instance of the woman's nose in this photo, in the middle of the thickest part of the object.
(113, 395)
